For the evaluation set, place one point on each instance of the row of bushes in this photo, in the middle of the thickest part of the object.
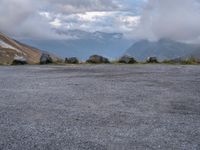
(186, 61)
(97, 59)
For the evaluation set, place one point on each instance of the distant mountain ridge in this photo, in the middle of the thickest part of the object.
(80, 34)
(83, 44)
(111, 45)
(162, 49)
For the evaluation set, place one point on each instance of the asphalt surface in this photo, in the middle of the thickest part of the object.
(100, 107)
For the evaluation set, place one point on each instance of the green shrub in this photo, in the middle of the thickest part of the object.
(187, 61)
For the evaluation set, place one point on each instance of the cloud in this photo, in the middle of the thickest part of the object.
(20, 18)
(80, 6)
(112, 21)
(15, 14)
(174, 19)
(40, 18)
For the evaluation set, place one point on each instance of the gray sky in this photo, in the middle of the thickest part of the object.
(174, 19)
(40, 18)
(152, 19)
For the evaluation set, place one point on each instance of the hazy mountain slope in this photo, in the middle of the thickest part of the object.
(111, 45)
(162, 49)
(196, 54)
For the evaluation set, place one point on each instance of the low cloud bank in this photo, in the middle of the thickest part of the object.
(173, 19)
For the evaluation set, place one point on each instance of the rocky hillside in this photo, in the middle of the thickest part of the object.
(9, 49)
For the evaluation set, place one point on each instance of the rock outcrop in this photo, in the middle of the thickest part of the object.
(127, 60)
(97, 59)
(19, 60)
(45, 59)
(71, 60)
(152, 60)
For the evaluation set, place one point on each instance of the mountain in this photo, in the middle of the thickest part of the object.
(9, 49)
(162, 49)
(195, 54)
(84, 44)
(80, 34)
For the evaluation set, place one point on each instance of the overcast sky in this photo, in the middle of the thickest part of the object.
(152, 19)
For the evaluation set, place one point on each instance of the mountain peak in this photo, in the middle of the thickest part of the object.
(80, 34)
(163, 49)
(167, 40)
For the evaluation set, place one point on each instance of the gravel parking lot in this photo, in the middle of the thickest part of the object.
(100, 107)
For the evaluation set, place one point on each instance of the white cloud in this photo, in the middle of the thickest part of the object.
(46, 15)
(174, 19)
(112, 21)
(81, 6)
(56, 23)
(92, 16)
(39, 18)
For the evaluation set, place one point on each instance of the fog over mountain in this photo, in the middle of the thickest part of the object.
(171, 19)
(163, 49)
(168, 29)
